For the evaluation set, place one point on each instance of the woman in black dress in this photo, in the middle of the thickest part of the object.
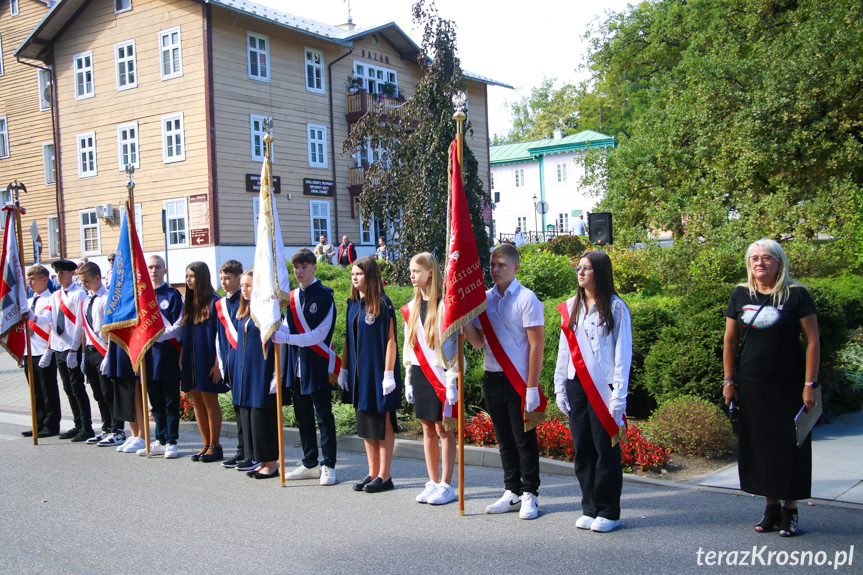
(773, 377)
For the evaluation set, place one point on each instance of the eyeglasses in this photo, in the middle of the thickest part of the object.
(584, 269)
(763, 259)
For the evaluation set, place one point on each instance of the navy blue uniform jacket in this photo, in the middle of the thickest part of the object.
(317, 302)
(369, 343)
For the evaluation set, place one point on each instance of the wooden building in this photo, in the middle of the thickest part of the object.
(179, 88)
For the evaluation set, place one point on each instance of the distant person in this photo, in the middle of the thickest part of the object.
(518, 238)
(106, 281)
(772, 375)
(319, 255)
(327, 249)
(578, 227)
(347, 252)
(383, 253)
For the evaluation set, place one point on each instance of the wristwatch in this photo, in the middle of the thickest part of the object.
(812, 384)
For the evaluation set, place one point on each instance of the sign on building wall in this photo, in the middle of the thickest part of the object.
(318, 187)
(253, 183)
(199, 220)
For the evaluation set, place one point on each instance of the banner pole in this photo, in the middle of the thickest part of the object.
(460, 117)
(278, 368)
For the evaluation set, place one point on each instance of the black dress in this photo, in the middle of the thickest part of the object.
(770, 375)
(427, 404)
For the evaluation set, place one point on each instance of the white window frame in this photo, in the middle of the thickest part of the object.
(312, 218)
(118, 6)
(314, 71)
(129, 141)
(166, 134)
(322, 161)
(5, 198)
(139, 221)
(80, 68)
(46, 81)
(13, 8)
(521, 222)
(178, 46)
(263, 74)
(83, 172)
(367, 230)
(256, 137)
(373, 82)
(49, 163)
(5, 148)
(563, 222)
(561, 174)
(53, 223)
(184, 202)
(82, 227)
(491, 180)
(519, 177)
(120, 62)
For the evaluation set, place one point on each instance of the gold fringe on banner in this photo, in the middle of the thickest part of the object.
(532, 419)
(450, 423)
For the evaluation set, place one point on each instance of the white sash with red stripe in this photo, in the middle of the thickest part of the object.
(434, 373)
(225, 317)
(64, 307)
(334, 362)
(41, 333)
(174, 341)
(589, 373)
(91, 336)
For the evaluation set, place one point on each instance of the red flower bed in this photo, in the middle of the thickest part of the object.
(479, 430)
(555, 440)
(640, 452)
(187, 410)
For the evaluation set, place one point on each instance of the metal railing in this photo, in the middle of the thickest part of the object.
(532, 237)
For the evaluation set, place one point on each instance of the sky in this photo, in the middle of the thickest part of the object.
(515, 43)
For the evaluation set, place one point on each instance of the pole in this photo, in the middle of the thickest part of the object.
(459, 117)
(17, 212)
(165, 237)
(278, 368)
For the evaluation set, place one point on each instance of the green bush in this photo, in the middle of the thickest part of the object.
(843, 386)
(634, 270)
(815, 259)
(572, 246)
(832, 327)
(649, 316)
(848, 291)
(692, 426)
(548, 275)
(525, 249)
(717, 264)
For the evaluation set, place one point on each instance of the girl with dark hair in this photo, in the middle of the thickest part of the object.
(372, 384)
(199, 373)
(591, 381)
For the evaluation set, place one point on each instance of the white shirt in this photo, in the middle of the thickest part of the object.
(578, 227)
(71, 338)
(98, 315)
(518, 309)
(38, 303)
(613, 351)
(518, 239)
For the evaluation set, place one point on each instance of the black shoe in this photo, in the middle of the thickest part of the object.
(217, 454)
(361, 484)
(29, 433)
(83, 435)
(48, 432)
(789, 524)
(232, 462)
(247, 465)
(200, 454)
(377, 485)
(771, 519)
(70, 434)
(258, 475)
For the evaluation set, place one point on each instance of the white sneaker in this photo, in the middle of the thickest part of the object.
(528, 506)
(509, 502)
(156, 448)
(112, 439)
(328, 475)
(129, 440)
(303, 472)
(98, 438)
(171, 451)
(604, 525)
(430, 488)
(584, 522)
(443, 494)
(134, 445)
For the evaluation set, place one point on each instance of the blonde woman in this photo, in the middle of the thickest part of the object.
(773, 376)
(433, 390)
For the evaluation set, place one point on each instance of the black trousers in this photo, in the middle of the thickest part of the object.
(73, 385)
(103, 390)
(262, 433)
(241, 442)
(47, 394)
(597, 463)
(165, 403)
(317, 406)
(519, 450)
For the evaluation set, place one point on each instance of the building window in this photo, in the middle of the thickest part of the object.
(122, 6)
(127, 145)
(314, 71)
(53, 237)
(317, 146)
(83, 75)
(173, 139)
(172, 56)
(519, 178)
(319, 212)
(90, 237)
(4, 137)
(521, 222)
(127, 71)
(5, 198)
(561, 173)
(177, 224)
(48, 163)
(87, 155)
(46, 85)
(497, 197)
(374, 77)
(256, 129)
(491, 179)
(259, 56)
(13, 7)
(563, 222)
(139, 223)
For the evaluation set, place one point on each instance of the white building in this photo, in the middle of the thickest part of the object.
(528, 172)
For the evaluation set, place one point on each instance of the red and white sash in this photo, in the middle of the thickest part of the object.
(225, 317)
(64, 307)
(41, 333)
(174, 340)
(589, 374)
(334, 362)
(434, 373)
(91, 336)
(504, 350)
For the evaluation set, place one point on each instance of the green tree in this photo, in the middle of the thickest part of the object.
(409, 185)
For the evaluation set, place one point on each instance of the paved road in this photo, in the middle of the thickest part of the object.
(71, 508)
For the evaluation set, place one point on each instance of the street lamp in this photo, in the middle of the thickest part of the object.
(535, 221)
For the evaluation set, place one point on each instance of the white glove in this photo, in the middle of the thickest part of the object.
(531, 400)
(280, 336)
(563, 402)
(451, 395)
(617, 409)
(409, 392)
(343, 379)
(103, 367)
(388, 385)
(71, 360)
(274, 384)
(45, 360)
(81, 367)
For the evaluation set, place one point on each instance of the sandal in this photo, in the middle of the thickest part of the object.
(789, 525)
(771, 520)
(197, 456)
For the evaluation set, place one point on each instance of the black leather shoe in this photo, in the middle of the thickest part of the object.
(377, 485)
(70, 434)
(360, 484)
(83, 435)
(259, 475)
(29, 433)
(217, 455)
(197, 456)
(232, 462)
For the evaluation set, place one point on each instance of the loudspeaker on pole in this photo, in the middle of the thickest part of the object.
(599, 228)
